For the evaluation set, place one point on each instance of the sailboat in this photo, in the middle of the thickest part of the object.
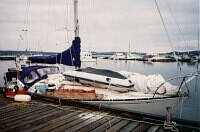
(119, 90)
(106, 88)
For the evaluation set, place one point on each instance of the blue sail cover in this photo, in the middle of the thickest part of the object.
(70, 57)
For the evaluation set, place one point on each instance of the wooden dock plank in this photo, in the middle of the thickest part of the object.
(5, 109)
(42, 120)
(107, 125)
(74, 122)
(129, 127)
(153, 128)
(141, 128)
(95, 124)
(62, 122)
(23, 122)
(23, 118)
(23, 114)
(161, 129)
(84, 123)
(51, 122)
(118, 126)
(22, 111)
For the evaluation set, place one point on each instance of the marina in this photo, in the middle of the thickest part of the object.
(75, 89)
(189, 109)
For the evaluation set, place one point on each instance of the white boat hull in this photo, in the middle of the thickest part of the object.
(143, 106)
(100, 81)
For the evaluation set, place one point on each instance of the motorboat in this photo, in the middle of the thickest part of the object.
(130, 56)
(117, 56)
(159, 58)
(86, 56)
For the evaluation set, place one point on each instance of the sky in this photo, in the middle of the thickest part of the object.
(105, 25)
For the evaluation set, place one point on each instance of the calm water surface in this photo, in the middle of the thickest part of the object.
(190, 108)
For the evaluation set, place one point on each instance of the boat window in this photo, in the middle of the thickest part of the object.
(53, 70)
(10, 75)
(32, 76)
(42, 71)
(48, 70)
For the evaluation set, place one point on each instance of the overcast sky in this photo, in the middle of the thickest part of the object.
(105, 25)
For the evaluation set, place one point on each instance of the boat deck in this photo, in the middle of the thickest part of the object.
(44, 116)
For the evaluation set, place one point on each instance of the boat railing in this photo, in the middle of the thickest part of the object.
(183, 82)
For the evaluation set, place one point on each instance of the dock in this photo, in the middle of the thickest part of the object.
(7, 57)
(43, 116)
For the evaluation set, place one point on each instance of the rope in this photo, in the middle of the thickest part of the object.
(109, 123)
(59, 101)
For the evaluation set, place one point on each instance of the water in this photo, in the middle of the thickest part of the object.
(190, 108)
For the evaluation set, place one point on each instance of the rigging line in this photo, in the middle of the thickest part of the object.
(64, 12)
(67, 12)
(112, 19)
(69, 9)
(67, 38)
(47, 37)
(27, 21)
(92, 24)
(176, 22)
(26, 25)
(168, 35)
(94, 12)
(54, 14)
(84, 22)
(27, 4)
(20, 38)
(71, 19)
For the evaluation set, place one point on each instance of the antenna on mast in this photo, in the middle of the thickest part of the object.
(76, 25)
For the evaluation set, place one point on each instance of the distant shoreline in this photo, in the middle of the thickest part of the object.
(15, 53)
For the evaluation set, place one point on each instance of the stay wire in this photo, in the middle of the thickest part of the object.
(24, 28)
(167, 35)
(176, 22)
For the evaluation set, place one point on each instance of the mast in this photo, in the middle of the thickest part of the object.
(76, 25)
(198, 46)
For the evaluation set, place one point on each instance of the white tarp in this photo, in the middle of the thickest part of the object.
(149, 84)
